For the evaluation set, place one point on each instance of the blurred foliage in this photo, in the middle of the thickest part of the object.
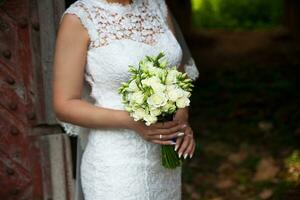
(2, 2)
(237, 14)
(293, 165)
(251, 101)
(247, 123)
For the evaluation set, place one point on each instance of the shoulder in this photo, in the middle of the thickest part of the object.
(78, 15)
(78, 8)
(163, 8)
(78, 5)
(162, 5)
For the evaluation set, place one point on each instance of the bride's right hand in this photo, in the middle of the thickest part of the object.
(161, 132)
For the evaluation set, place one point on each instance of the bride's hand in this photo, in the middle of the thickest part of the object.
(160, 133)
(185, 145)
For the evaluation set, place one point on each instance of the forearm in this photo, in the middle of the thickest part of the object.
(82, 113)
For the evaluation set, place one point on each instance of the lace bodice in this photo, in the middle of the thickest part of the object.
(108, 22)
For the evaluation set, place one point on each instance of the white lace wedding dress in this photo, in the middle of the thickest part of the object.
(118, 164)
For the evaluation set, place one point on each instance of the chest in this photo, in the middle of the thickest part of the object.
(124, 38)
(143, 22)
(109, 64)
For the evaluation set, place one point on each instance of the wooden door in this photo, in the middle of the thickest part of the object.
(34, 154)
(21, 105)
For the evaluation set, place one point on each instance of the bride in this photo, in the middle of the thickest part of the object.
(96, 41)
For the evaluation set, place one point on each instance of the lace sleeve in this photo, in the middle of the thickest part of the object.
(191, 69)
(81, 10)
(187, 59)
(163, 8)
(70, 129)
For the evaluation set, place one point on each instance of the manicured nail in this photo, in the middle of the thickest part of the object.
(179, 154)
(185, 155)
(191, 155)
(173, 143)
(180, 134)
(176, 147)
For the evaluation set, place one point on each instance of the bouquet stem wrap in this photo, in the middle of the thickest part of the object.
(169, 156)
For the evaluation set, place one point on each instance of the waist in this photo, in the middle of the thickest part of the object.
(114, 136)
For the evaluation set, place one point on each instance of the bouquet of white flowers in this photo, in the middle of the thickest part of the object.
(154, 93)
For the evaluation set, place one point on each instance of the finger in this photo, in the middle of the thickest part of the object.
(189, 149)
(183, 146)
(170, 136)
(164, 125)
(172, 130)
(162, 142)
(186, 140)
(178, 143)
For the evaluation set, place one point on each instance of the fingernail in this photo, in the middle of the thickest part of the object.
(179, 154)
(185, 155)
(180, 134)
(176, 147)
(173, 143)
(183, 126)
(191, 155)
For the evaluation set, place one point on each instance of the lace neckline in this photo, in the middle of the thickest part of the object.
(115, 5)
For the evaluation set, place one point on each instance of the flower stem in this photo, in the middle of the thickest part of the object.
(170, 158)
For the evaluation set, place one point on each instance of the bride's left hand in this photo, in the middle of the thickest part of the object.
(186, 144)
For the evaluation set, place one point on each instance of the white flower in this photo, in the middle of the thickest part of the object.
(133, 86)
(138, 114)
(149, 64)
(145, 65)
(149, 119)
(155, 83)
(170, 107)
(182, 102)
(155, 112)
(174, 92)
(157, 100)
(156, 71)
(137, 97)
(172, 76)
(158, 87)
(151, 80)
(186, 93)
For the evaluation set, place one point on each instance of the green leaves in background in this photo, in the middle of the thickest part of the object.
(2, 2)
(237, 14)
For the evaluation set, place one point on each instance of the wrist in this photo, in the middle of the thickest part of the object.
(128, 122)
(182, 114)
